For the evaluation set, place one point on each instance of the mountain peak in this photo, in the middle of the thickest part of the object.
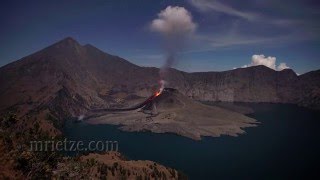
(68, 41)
(67, 45)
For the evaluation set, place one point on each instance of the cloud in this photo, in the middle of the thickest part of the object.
(262, 60)
(215, 42)
(269, 61)
(215, 5)
(174, 20)
(205, 6)
(282, 66)
(248, 24)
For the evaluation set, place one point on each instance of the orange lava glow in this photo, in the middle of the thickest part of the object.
(158, 93)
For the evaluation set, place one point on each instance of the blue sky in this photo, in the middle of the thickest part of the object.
(228, 32)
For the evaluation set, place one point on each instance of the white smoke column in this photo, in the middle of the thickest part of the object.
(176, 26)
(162, 85)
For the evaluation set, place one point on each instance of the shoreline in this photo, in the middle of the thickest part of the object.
(138, 122)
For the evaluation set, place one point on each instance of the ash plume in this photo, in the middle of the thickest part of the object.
(176, 26)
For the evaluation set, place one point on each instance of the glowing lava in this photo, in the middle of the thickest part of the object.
(162, 84)
(158, 93)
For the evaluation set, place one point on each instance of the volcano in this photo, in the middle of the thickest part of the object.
(150, 103)
(166, 99)
(67, 80)
(172, 112)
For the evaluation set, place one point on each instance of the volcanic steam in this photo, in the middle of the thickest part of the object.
(176, 27)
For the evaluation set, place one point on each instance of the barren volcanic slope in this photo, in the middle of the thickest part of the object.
(67, 79)
(173, 112)
(255, 84)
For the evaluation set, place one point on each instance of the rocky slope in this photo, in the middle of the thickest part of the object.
(253, 84)
(308, 89)
(18, 161)
(173, 112)
(67, 79)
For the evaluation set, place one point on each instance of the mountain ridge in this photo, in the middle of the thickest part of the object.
(74, 78)
(71, 41)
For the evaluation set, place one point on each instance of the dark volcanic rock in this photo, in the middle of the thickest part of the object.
(173, 112)
(309, 89)
(166, 100)
(253, 84)
(69, 78)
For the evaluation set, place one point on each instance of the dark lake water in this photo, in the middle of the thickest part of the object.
(284, 146)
